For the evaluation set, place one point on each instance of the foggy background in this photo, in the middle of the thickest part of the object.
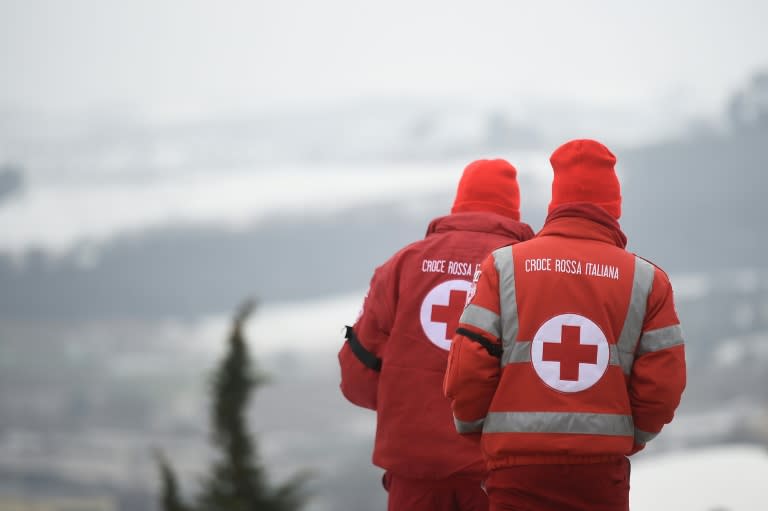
(161, 161)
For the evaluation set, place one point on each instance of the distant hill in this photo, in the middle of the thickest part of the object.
(192, 271)
(699, 203)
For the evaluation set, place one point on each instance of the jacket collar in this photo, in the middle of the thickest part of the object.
(585, 221)
(481, 222)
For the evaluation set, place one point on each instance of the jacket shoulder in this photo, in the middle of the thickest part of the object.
(396, 259)
(656, 266)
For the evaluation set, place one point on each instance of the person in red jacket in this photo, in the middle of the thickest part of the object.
(570, 356)
(394, 357)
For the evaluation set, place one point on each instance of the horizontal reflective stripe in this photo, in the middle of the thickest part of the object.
(516, 353)
(469, 427)
(559, 422)
(520, 351)
(662, 338)
(643, 437)
(505, 268)
(482, 318)
(642, 280)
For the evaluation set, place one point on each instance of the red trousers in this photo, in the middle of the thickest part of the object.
(587, 487)
(457, 493)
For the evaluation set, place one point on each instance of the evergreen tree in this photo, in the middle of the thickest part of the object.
(237, 481)
(170, 500)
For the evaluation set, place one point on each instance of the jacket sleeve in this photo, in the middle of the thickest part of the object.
(658, 375)
(359, 382)
(473, 371)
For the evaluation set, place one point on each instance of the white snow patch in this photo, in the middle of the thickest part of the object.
(691, 286)
(730, 352)
(306, 327)
(723, 478)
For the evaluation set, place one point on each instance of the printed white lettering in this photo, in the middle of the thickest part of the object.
(538, 264)
(460, 268)
(602, 270)
(478, 272)
(433, 266)
(572, 267)
(568, 266)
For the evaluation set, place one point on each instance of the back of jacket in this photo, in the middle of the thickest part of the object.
(592, 362)
(408, 320)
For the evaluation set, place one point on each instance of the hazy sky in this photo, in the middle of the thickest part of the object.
(190, 57)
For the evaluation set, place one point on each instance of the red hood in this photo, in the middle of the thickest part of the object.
(481, 222)
(568, 220)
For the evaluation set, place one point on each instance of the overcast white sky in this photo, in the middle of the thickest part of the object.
(199, 57)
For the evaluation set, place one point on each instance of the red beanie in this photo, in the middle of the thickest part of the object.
(488, 185)
(584, 173)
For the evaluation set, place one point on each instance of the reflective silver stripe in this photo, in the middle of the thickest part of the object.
(643, 437)
(505, 268)
(662, 338)
(613, 355)
(633, 323)
(469, 427)
(481, 318)
(557, 422)
(518, 352)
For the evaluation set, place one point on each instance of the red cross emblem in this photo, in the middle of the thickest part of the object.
(574, 362)
(450, 314)
(569, 352)
(441, 311)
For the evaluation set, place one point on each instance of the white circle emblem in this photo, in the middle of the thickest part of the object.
(570, 353)
(441, 310)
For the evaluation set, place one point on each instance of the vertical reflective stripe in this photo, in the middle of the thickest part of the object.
(643, 437)
(505, 268)
(559, 422)
(517, 352)
(659, 339)
(633, 323)
(482, 318)
(469, 427)
(613, 355)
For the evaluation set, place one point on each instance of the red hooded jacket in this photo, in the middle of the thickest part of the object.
(591, 359)
(409, 316)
